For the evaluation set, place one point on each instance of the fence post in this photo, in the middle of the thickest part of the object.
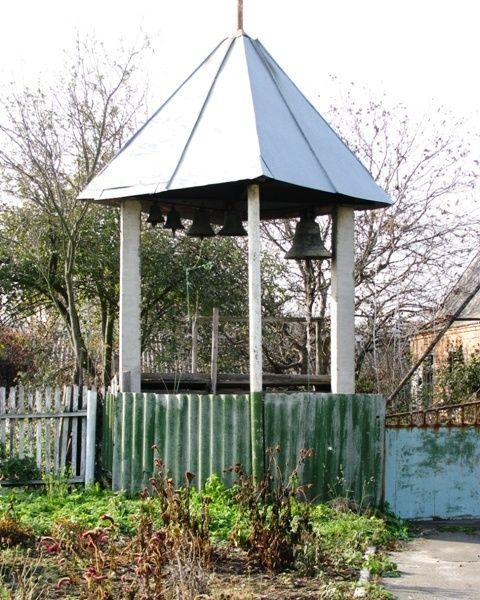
(90, 449)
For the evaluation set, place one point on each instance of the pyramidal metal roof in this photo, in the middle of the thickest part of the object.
(238, 119)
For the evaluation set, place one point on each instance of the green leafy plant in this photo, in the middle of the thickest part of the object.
(458, 380)
(16, 469)
(379, 563)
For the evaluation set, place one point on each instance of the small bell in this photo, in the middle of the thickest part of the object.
(201, 227)
(173, 221)
(232, 224)
(307, 243)
(155, 215)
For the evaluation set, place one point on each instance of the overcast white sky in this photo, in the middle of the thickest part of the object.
(416, 51)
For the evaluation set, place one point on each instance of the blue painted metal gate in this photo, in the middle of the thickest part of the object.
(432, 462)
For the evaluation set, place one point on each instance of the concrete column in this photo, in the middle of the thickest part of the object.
(255, 333)
(130, 350)
(90, 441)
(254, 289)
(343, 303)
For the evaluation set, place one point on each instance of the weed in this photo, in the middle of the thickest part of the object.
(279, 523)
(41, 509)
(14, 533)
(57, 486)
(380, 564)
(373, 591)
(98, 545)
(20, 577)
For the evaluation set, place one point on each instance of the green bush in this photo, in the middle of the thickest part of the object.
(459, 380)
(14, 468)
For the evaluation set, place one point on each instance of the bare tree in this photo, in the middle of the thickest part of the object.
(408, 254)
(53, 140)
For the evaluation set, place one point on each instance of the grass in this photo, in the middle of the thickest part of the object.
(41, 509)
(224, 543)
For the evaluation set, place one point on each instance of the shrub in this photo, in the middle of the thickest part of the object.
(14, 533)
(17, 469)
(279, 525)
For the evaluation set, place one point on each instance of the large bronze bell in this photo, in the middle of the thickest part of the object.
(307, 243)
(200, 226)
(173, 221)
(155, 215)
(232, 224)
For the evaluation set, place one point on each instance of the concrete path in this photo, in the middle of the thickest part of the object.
(442, 563)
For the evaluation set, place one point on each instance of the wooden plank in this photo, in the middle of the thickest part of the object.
(12, 404)
(30, 401)
(6, 483)
(58, 424)
(43, 415)
(84, 426)
(48, 428)
(168, 378)
(2, 411)
(21, 423)
(228, 319)
(214, 361)
(66, 398)
(163, 381)
(318, 348)
(194, 345)
(74, 430)
(41, 424)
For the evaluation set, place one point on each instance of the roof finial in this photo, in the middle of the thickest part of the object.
(240, 15)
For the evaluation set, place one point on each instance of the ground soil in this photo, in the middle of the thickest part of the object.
(232, 576)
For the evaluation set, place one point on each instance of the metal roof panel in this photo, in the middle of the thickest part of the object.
(238, 117)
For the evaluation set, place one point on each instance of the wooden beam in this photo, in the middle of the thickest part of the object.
(214, 362)
(194, 345)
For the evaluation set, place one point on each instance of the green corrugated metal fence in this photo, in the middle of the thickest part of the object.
(346, 433)
(206, 434)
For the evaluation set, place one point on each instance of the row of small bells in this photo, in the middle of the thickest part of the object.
(307, 243)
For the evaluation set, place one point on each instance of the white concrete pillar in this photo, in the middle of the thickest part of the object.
(254, 289)
(343, 303)
(130, 351)
(90, 441)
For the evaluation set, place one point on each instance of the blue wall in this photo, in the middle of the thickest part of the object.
(433, 472)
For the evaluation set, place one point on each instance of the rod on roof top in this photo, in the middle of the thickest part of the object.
(240, 15)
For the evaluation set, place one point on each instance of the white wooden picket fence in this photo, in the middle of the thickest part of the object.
(55, 427)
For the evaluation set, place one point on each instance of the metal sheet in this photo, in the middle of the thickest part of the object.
(206, 434)
(433, 472)
(202, 434)
(346, 433)
(237, 118)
